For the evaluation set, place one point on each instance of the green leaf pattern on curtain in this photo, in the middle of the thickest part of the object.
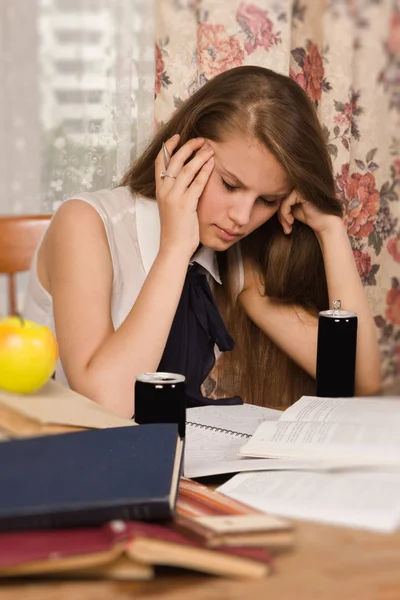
(346, 55)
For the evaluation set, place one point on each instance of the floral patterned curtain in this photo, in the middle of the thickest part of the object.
(346, 55)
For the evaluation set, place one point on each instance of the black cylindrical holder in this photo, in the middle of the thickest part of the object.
(336, 353)
(160, 398)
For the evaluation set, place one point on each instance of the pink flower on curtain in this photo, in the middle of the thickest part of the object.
(160, 68)
(347, 114)
(363, 262)
(393, 42)
(162, 79)
(312, 75)
(217, 50)
(314, 72)
(346, 110)
(393, 305)
(299, 78)
(361, 199)
(257, 26)
(341, 119)
(394, 248)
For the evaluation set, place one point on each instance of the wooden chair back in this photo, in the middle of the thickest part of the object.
(19, 237)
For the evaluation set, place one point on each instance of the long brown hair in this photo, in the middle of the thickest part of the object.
(273, 109)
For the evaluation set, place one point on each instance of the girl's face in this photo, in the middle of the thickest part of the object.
(244, 190)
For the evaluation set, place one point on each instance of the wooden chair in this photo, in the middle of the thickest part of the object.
(19, 237)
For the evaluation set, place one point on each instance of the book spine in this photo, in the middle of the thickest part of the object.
(149, 511)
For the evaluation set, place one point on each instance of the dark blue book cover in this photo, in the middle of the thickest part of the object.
(90, 477)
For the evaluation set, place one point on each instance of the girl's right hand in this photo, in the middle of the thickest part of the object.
(178, 196)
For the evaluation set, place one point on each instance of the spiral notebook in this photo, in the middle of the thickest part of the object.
(214, 435)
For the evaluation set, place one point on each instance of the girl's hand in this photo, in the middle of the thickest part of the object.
(178, 195)
(295, 207)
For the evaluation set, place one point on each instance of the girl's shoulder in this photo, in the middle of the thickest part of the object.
(111, 204)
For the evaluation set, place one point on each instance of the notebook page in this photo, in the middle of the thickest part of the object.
(345, 410)
(209, 452)
(242, 418)
(362, 500)
(212, 446)
(352, 442)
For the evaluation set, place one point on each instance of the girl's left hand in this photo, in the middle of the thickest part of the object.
(295, 207)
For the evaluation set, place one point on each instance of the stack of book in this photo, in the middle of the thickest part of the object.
(210, 534)
(105, 499)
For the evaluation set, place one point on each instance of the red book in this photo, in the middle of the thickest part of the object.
(122, 549)
(216, 520)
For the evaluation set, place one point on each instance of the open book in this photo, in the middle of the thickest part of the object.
(122, 550)
(342, 431)
(215, 434)
(51, 410)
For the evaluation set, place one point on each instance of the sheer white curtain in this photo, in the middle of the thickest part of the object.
(77, 95)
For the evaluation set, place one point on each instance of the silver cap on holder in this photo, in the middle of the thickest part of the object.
(336, 306)
(160, 378)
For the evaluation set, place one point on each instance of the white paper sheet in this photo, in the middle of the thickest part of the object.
(368, 410)
(362, 500)
(355, 443)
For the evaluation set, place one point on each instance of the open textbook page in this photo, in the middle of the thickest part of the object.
(359, 431)
(209, 454)
(367, 410)
(215, 434)
(362, 500)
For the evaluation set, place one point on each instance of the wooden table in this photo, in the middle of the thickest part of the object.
(327, 563)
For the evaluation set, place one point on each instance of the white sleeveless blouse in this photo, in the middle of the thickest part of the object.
(132, 226)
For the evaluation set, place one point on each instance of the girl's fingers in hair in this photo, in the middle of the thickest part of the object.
(179, 158)
(285, 213)
(159, 164)
(172, 143)
(192, 168)
(281, 220)
(287, 228)
(175, 166)
(198, 184)
(284, 220)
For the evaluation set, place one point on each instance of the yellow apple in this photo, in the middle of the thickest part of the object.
(28, 355)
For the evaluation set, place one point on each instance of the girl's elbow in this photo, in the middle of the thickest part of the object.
(371, 386)
(104, 391)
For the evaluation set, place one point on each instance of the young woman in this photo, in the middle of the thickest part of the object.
(248, 198)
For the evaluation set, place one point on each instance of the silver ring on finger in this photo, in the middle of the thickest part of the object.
(163, 175)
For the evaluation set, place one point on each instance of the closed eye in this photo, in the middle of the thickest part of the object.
(230, 188)
(265, 201)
